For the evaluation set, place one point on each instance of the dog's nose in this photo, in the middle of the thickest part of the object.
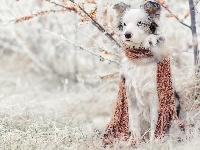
(128, 35)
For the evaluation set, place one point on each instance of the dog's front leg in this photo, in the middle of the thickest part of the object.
(154, 106)
(134, 123)
(134, 119)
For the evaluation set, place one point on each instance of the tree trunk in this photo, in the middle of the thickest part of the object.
(194, 32)
(75, 54)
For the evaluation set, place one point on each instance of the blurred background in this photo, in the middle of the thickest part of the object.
(59, 73)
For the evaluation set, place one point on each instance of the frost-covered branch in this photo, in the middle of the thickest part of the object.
(81, 47)
(31, 55)
(40, 13)
(28, 17)
(101, 48)
(94, 22)
(196, 3)
(194, 32)
(176, 17)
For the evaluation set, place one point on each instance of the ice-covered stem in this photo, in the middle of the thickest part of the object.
(81, 47)
(194, 31)
(40, 13)
(94, 22)
(196, 3)
(192, 27)
(175, 16)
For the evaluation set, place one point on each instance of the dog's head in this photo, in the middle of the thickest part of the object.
(136, 24)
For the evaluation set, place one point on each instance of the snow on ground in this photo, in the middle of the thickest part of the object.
(38, 111)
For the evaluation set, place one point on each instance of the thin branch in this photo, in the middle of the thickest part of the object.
(101, 48)
(7, 45)
(81, 47)
(194, 33)
(40, 13)
(176, 17)
(196, 3)
(87, 36)
(94, 22)
(111, 75)
(31, 55)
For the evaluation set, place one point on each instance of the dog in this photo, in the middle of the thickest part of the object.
(139, 29)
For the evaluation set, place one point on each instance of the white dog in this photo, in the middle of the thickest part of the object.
(139, 29)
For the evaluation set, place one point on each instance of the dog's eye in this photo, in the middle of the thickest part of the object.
(139, 23)
(124, 24)
(157, 15)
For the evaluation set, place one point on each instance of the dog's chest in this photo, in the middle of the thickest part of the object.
(141, 78)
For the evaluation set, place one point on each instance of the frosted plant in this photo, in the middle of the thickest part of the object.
(47, 38)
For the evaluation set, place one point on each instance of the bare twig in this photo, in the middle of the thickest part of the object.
(40, 13)
(101, 48)
(81, 47)
(196, 3)
(31, 55)
(28, 17)
(7, 45)
(147, 131)
(111, 75)
(94, 22)
(175, 16)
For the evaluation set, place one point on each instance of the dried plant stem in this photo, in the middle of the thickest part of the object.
(194, 33)
(81, 47)
(196, 3)
(31, 55)
(94, 22)
(110, 75)
(39, 14)
(192, 27)
(147, 131)
(101, 48)
(176, 17)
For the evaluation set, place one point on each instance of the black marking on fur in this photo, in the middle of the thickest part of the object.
(154, 4)
(150, 6)
(153, 27)
(177, 101)
(121, 7)
(152, 9)
(120, 26)
(160, 40)
(148, 26)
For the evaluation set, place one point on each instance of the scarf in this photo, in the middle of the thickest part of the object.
(117, 128)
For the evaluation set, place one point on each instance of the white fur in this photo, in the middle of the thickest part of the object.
(140, 76)
(131, 26)
(142, 94)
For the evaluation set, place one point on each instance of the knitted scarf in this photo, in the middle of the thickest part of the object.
(117, 129)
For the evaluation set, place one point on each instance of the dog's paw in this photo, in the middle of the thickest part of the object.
(160, 40)
(154, 40)
(134, 141)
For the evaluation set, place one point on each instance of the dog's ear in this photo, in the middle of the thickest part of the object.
(120, 8)
(152, 8)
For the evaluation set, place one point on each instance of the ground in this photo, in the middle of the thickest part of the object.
(39, 111)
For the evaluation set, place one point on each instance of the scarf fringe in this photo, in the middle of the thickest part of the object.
(165, 116)
(118, 126)
(166, 97)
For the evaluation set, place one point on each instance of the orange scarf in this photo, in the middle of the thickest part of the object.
(118, 125)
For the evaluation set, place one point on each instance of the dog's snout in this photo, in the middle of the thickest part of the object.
(128, 35)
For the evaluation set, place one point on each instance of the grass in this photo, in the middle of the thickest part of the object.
(40, 112)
